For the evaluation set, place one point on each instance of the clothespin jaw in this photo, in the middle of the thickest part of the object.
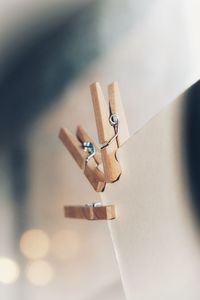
(112, 133)
(90, 212)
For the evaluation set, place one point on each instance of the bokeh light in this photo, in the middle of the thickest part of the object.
(65, 244)
(39, 273)
(9, 270)
(34, 244)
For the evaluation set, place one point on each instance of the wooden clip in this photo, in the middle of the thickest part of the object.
(90, 212)
(112, 133)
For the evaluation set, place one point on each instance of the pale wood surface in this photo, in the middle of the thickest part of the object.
(95, 176)
(107, 156)
(116, 107)
(105, 131)
(90, 213)
(102, 112)
(84, 137)
(74, 146)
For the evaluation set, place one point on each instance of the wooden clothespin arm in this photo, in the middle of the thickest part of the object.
(111, 126)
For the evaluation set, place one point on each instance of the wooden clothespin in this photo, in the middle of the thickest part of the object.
(94, 211)
(112, 133)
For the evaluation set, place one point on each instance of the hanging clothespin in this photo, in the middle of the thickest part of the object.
(100, 164)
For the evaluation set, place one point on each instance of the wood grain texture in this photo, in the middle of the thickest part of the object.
(73, 146)
(116, 107)
(84, 137)
(95, 176)
(102, 113)
(106, 157)
(90, 169)
(105, 131)
(90, 213)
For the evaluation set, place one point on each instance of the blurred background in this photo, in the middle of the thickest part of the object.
(50, 52)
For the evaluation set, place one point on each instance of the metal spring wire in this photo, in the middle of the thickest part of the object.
(90, 148)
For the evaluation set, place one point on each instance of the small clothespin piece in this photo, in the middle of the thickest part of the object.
(94, 211)
(112, 133)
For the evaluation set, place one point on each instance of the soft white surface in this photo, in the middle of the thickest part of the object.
(155, 236)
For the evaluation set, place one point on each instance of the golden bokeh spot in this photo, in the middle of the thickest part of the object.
(9, 270)
(34, 244)
(39, 273)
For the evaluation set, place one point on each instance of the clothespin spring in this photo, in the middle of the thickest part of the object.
(114, 121)
(90, 148)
